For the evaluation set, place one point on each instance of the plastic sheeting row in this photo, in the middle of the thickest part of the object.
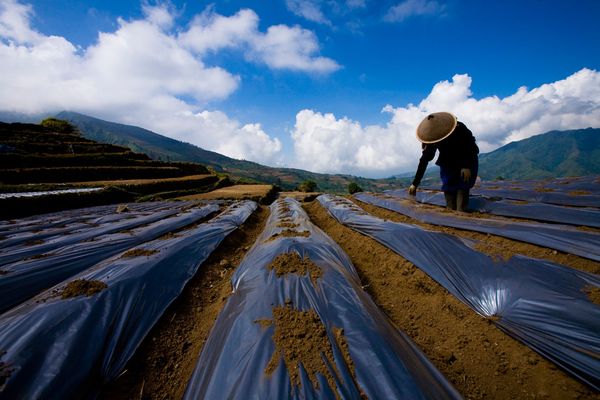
(235, 357)
(559, 237)
(574, 198)
(64, 348)
(509, 208)
(579, 183)
(24, 279)
(20, 253)
(45, 221)
(87, 220)
(537, 302)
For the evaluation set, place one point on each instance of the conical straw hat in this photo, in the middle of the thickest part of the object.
(436, 127)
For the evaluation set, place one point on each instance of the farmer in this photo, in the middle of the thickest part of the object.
(457, 160)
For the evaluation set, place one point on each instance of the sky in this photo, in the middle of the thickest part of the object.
(333, 86)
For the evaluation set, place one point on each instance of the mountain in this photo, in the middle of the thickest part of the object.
(550, 155)
(159, 147)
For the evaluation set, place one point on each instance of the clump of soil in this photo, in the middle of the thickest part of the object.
(476, 357)
(122, 208)
(579, 192)
(300, 338)
(289, 233)
(39, 256)
(290, 225)
(5, 370)
(138, 253)
(497, 254)
(80, 287)
(34, 242)
(3, 272)
(593, 293)
(170, 235)
(291, 263)
(544, 190)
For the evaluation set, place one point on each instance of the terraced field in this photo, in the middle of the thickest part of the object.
(371, 296)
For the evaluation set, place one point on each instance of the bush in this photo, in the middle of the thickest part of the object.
(59, 125)
(307, 186)
(354, 188)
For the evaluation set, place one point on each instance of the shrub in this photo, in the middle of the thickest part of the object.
(354, 188)
(59, 125)
(307, 186)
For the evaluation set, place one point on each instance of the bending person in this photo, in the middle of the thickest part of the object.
(457, 160)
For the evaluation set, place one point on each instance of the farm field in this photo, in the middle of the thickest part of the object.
(372, 295)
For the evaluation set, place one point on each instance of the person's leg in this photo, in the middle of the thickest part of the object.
(450, 200)
(462, 200)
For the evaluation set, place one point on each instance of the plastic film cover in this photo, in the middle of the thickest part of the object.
(542, 304)
(24, 279)
(578, 216)
(79, 236)
(380, 363)
(65, 348)
(564, 238)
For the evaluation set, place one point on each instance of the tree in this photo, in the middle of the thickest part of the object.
(308, 186)
(353, 188)
(59, 125)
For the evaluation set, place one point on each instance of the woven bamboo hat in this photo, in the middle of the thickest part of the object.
(436, 127)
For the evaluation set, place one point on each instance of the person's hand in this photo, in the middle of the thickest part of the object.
(465, 174)
(412, 190)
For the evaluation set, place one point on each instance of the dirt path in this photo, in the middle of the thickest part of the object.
(480, 360)
(163, 364)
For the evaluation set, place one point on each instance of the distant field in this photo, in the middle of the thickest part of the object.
(234, 192)
(135, 182)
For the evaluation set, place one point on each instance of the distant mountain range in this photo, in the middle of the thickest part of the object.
(552, 154)
(163, 148)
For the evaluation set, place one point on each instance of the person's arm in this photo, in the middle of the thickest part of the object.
(469, 151)
(428, 154)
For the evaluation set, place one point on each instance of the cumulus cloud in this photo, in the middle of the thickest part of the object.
(325, 143)
(280, 47)
(145, 74)
(308, 9)
(324, 11)
(410, 8)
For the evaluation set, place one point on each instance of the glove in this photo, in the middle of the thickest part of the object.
(412, 190)
(465, 174)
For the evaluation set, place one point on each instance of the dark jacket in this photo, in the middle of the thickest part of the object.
(457, 151)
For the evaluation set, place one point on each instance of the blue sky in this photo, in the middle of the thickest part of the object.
(310, 93)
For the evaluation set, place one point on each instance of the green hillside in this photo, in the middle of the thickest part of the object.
(159, 147)
(549, 155)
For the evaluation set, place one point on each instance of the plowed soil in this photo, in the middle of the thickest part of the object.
(164, 363)
(291, 263)
(479, 359)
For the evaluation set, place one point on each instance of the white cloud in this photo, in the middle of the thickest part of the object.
(409, 8)
(280, 47)
(14, 22)
(308, 9)
(324, 143)
(145, 74)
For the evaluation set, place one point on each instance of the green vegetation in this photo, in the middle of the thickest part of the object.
(354, 188)
(59, 125)
(308, 186)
